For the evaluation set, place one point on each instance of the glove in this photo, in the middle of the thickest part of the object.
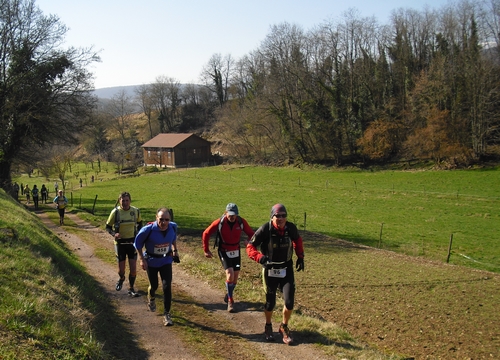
(299, 265)
(263, 260)
(176, 259)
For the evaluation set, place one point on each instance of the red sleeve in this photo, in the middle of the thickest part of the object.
(253, 253)
(299, 247)
(209, 231)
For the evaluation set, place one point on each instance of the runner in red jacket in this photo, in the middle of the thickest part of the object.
(228, 230)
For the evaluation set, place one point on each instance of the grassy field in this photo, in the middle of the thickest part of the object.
(410, 212)
(385, 299)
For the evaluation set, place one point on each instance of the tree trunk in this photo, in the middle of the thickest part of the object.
(5, 179)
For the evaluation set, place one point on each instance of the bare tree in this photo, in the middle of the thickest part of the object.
(216, 76)
(120, 111)
(144, 95)
(45, 89)
(166, 101)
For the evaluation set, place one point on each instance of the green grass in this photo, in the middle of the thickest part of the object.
(50, 307)
(419, 212)
(415, 213)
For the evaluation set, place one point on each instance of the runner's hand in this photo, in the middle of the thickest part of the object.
(176, 259)
(299, 265)
(263, 260)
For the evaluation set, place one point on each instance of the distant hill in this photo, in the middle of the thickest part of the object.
(109, 92)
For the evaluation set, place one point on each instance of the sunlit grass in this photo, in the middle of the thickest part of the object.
(49, 305)
(415, 213)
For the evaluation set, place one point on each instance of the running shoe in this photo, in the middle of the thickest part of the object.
(167, 321)
(132, 293)
(152, 305)
(230, 306)
(119, 284)
(285, 332)
(226, 298)
(268, 331)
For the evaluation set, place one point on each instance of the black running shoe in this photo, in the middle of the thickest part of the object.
(132, 293)
(167, 320)
(152, 305)
(119, 284)
(268, 331)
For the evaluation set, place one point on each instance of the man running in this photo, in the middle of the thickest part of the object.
(277, 239)
(123, 223)
(228, 228)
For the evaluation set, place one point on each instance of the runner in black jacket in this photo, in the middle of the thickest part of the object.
(277, 240)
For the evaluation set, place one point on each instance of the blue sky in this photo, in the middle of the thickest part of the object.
(141, 40)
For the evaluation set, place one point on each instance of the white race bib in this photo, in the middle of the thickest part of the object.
(161, 249)
(233, 254)
(279, 273)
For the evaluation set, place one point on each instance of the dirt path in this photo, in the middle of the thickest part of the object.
(147, 326)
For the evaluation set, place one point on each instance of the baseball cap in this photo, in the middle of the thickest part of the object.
(278, 208)
(232, 209)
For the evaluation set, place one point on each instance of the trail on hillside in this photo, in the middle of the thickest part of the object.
(162, 342)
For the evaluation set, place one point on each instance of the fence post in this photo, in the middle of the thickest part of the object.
(305, 218)
(93, 207)
(449, 248)
(380, 237)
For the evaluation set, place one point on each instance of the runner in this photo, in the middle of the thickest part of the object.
(277, 239)
(228, 246)
(123, 223)
(60, 201)
(159, 240)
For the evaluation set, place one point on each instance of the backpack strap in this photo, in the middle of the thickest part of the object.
(136, 217)
(270, 243)
(218, 237)
(117, 220)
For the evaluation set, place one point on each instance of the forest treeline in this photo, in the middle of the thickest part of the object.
(424, 86)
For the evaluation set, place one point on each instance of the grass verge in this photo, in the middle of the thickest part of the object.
(50, 308)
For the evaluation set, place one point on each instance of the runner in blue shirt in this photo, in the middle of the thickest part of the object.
(160, 249)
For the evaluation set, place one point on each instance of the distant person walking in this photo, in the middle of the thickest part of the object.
(56, 186)
(123, 223)
(34, 194)
(61, 202)
(277, 239)
(27, 193)
(16, 190)
(45, 193)
(159, 240)
(228, 229)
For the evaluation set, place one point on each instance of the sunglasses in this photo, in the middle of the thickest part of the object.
(280, 216)
(163, 220)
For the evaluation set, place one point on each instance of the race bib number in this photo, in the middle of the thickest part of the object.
(278, 273)
(233, 254)
(161, 249)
